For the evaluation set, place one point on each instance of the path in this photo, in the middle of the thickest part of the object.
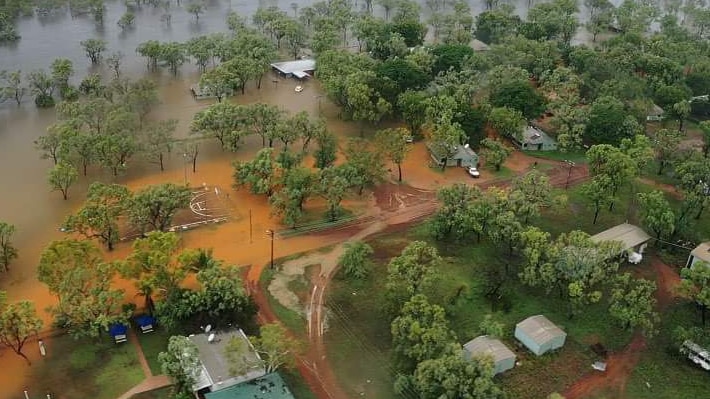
(151, 381)
(620, 365)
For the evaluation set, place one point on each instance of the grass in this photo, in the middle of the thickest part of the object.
(293, 321)
(152, 344)
(160, 393)
(87, 369)
(296, 384)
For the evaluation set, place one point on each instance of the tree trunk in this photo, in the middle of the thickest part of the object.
(660, 167)
(19, 352)
(84, 165)
(64, 193)
(258, 82)
(596, 214)
(194, 163)
(399, 170)
(700, 212)
(109, 244)
(160, 159)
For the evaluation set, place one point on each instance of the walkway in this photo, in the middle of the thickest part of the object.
(151, 381)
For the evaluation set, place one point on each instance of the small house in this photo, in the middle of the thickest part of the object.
(654, 113)
(539, 334)
(633, 239)
(534, 139)
(119, 332)
(461, 155)
(701, 253)
(270, 386)
(503, 358)
(299, 69)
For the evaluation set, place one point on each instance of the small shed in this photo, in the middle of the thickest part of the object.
(119, 332)
(535, 139)
(503, 358)
(145, 323)
(701, 253)
(462, 155)
(632, 238)
(539, 334)
(654, 113)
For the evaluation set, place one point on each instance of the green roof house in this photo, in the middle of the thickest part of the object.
(270, 386)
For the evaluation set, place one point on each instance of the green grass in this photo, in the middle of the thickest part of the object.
(86, 368)
(293, 321)
(160, 393)
(152, 344)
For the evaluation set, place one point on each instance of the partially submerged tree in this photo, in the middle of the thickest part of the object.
(8, 252)
(98, 217)
(18, 322)
(62, 176)
(154, 207)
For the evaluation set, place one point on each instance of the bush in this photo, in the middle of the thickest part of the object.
(355, 260)
(44, 101)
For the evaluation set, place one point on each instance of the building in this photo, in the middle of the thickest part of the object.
(478, 45)
(270, 386)
(539, 334)
(462, 156)
(299, 69)
(503, 358)
(654, 113)
(534, 139)
(632, 238)
(701, 253)
(215, 372)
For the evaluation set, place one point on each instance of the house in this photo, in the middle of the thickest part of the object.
(119, 332)
(654, 113)
(216, 372)
(701, 253)
(539, 334)
(270, 386)
(503, 358)
(462, 155)
(478, 45)
(632, 238)
(534, 139)
(299, 69)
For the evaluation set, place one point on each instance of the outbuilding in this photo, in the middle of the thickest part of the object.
(535, 139)
(503, 358)
(461, 155)
(539, 334)
(633, 240)
(299, 69)
(701, 253)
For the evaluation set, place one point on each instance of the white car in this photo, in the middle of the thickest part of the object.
(473, 172)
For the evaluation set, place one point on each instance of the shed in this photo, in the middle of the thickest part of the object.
(462, 155)
(701, 253)
(654, 113)
(118, 331)
(478, 45)
(270, 386)
(145, 323)
(503, 358)
(300, 69)
(539, 334)
(633, 238)
(535, 139)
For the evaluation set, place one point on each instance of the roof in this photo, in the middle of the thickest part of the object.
(215, 365)
(145, 320)
(534, 135)
(702, 252)
(270, 386)
(655, 110)
(297, 67)
(628, 234)
(540, 329)
(485, 345)
(478, 45)
(118, 329)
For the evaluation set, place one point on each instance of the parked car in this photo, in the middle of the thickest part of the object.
(473, 172)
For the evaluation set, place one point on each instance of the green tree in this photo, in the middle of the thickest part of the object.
(490, 326)
(454, 217)
(656, 213)
(450, 56)
(411, 273)
(599, 193)
(151, 50)
(12, 86)
(195, 8)
(18, 322)
(126, 20)
(42, 86)
(366, 164)
(495, 152)
(493, 26)
(508, 122)
(158, 140)
(420, 332)
(296, 186)
(520, 96)
(114, 150)
(181, 362)
(327, 150)
(631, 303)
(75, 272)
(154, 207)
(355, 259)
(52, 144)
(532, 192)
(259, 174)
(695, 286)
(219, 121)
(393, 143)
(8, 252)
(262, 120)
(276, 347)
(62, 69)
(98, 217)
(62, 176)
(114, 62)
(217, 82)
(412, 106)
(333, 186)
(156, 263)
(609, 122)
(705, 129)
(173, 54)
(453, 376)
(615, 165)
(364, 101)
(93, 49)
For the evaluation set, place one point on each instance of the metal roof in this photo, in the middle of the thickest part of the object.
(540, 329)
(295, 67)
(485, 345)
(702, 252)
(626, 233)
(270, 386)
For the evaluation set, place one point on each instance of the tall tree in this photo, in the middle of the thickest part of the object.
(8, 252)
(411, 273)
(631, 303)
(62, 176)
(276, 347)
(98, 217)
(296, 186)
(333, 186)
(181, 362)
(508, 122)
(219, 121)
(260, 174)
(495, 152)
(393, 143)
(158, 140)
(18, 322)
(366, 163)
(154, 207)
(355, 259)
(656, 213)
(453, 376)
(695, 285)
(93, 49)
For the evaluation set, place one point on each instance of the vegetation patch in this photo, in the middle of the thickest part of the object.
(152, 344)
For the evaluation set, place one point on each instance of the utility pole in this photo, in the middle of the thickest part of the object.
(571, 165)
(184, 166)
(270, 233)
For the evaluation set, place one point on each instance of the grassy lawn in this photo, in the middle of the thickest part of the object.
(293, 321)
(161, 393)
(152, 344)
(86, 369)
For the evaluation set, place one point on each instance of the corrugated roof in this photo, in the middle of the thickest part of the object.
(626, 233)
(485, 345)
(295, 66)
(540, 329)
(702, 252)
(270, 386)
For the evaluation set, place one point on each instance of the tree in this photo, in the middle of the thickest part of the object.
(695, 286)
(450, 56)
(42, 86)
(531, 193)
(420, 332)
(154, 207)
(217, 82)
(156, 264)
(609, 122)
(601, 16)
(364, 100)
(495, 152)
(296, 186)
(173, 55)
(410, 273)
(259, 174)
(62, 69)
(355, 259)
(518, 95)
(114, 63)
(126, 20)
(7, 251)
(508, 122)
(493, 26)
(454, 217)
(220, 121)
(327, 150)
(275, 347)
(393, 143)
(74, 271)
(151, 50)
(490, 326)
(631, 303)
(62, 176)
(12, 85)
(656, 213)
(705, 129)
(195, 8)
(99, 215)
(261, 119)
(412, 106)
(93, 49)
(18, 322)
(158, 140)
(366, 164)
(599, 192)
(614, 164)
(181, 362)
(635, 16)
(114, 150)
(453, 376)
(333, 186)
(553, 21)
